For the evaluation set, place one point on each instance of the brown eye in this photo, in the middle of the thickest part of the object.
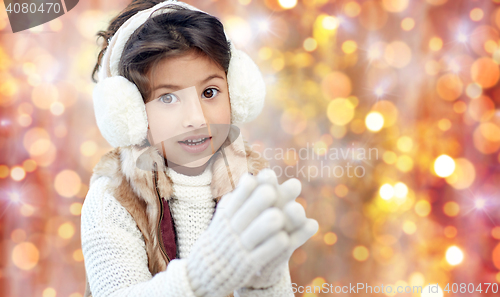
(210, 93)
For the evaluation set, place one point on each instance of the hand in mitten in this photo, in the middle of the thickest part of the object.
(245, 233)
(298, 226)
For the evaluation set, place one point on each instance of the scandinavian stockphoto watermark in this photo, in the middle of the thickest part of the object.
(320, 162)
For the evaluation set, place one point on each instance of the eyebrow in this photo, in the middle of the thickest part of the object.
(168, 86)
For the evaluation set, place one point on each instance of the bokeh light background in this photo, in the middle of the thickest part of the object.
(415, 81)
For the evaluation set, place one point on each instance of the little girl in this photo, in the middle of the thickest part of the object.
(171, 87)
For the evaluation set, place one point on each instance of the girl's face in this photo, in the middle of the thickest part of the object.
(189, 114)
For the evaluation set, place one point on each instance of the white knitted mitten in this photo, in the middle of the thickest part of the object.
(234, 246)
(299, 227)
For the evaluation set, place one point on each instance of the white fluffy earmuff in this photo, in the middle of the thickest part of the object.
(119, 107)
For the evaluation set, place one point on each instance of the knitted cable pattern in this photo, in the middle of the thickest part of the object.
(192, 207)
(116, 260)
(115, 254)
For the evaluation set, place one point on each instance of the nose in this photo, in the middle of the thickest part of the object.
(194, 116)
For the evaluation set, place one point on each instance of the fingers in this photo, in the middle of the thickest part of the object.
(295, 216)
(263, 197)
(265, 225)
(271, 248)
(288, 191)
(300, 236)
(267, 175)
(237, 198)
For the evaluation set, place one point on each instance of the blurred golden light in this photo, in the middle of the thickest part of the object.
(435, 44)
(320, 148)
(437, 2)
(486, 138)
(318, 281)
(352, 9)
(291, 158)
(482, 108)
(400, 190)
(407, 24)
(374, 121)
(75, 208)
(349, 46)
(18, 235)
(444, 124)
(25, 255)
(338, 131)
(464, 174)
(491, 46)
(49, 292)
(88, 148)
(389, 157)
(56, 25)
(67, 183)
(449, 86)
(244, 2)
(293, 121)
(395, 5)
(422, 208)
(278, 63)
(450, 231)
(66, 230)
(341, 190)
(360, 253)
(386, 191)
(330, 23)
(495, 232)
(416, 279)
(409, 227)
(358, 126)
(287, 4)
(44, 95)
(485, 72)
(373, 16)
(310, 44)
(444, 166)
(330, 238)
(17, 173)
(340, 111)
(404, 163)
(496, 256)
(397, 54)
(405, 144)
(39, 147)
(29, 165)
(24, 120)
(451, 209)
(336, 84)
(4, 171)
(27, 210)
(265, 53)
(57, 108)
(33, 135)
(238, 29)
(78, 255)
(476, 14)
(388, 110)
(459, 107)
(454, 255)
(432, 67)
(299, 256)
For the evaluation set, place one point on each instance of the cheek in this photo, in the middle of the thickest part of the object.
(220, 113)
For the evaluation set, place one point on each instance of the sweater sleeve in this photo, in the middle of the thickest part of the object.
(281, 289)
(115, 254)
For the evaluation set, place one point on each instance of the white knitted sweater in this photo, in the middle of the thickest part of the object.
(114, 248)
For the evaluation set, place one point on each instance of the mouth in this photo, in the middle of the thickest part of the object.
(195, 140)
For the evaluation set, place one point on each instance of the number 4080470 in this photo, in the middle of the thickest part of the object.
(32, 8)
